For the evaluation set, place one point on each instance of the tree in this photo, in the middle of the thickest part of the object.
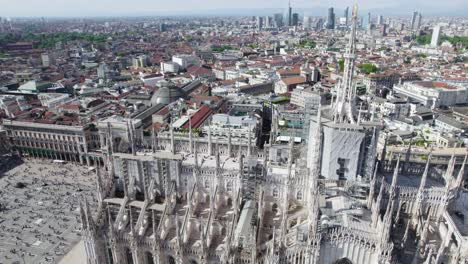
(341, 65)
(426, 39)
(48, 40)
(423, 39)
(368, 68)
(222, 48)
(308, 43)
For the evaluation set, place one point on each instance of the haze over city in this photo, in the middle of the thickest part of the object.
(63, 8)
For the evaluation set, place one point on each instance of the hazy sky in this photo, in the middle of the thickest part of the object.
(117, 7)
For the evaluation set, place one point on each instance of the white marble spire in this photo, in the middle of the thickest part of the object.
(387, 222)
(422, 185)
(210, 142)
(344, 109)
(229, 150)
(370, 198)
(461, 174)
(450, 169)
(377, 204)
(249, 147)
(190, 136)
(173, 150)
(314, 174)
(392, 190)
(100, 185)
(370, 157)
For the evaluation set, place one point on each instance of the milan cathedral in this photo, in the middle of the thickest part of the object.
(337, 199)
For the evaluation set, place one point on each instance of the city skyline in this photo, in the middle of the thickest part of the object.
(66, 8)
(280, 132)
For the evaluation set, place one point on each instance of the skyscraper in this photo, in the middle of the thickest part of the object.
(418, 21)
(413, 20)
(295, 19)
(319, 24)
(366, 21)
(307, 22)
(383, 30)
(380, 20)
(267, 23)
(162, 27)
(278, 19)
(331, 18)
(259, 23)
(346, 15)
(435, 36)
(289, 14)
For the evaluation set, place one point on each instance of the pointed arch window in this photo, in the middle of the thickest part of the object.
(299, 195)
(275, 193)
(171, 260)
(129, 256)
(149, 258)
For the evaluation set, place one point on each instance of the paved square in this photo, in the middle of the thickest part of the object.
(39, 217)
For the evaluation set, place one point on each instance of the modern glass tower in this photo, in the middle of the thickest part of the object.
(331, 18)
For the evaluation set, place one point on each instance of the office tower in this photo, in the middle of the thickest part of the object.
(267, 22)
(366, 21)
(383, 30)
(413, 20)
(401, 26)
(418, 21)
(330, 19)
(346, 11)
(162, 27)
(435, 36)
(278, 20)
(289, 14)
(307, 22)
(319, 24)
(259, 23)
(295, 19)
(380, 20)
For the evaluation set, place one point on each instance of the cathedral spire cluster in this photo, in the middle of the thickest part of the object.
(344, 108)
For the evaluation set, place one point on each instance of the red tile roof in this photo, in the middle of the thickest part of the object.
(198, 70)
(294, 80)
(163, 111)
(199, 117)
